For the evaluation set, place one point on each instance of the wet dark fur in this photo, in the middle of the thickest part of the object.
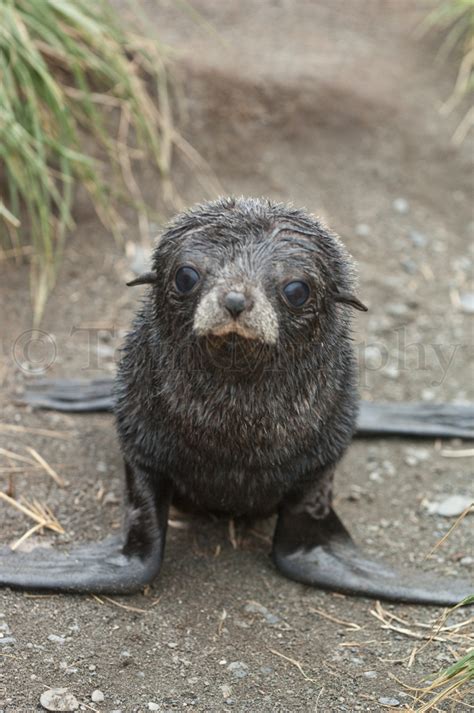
(238, 426)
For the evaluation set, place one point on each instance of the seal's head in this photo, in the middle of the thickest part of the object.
(248, 269)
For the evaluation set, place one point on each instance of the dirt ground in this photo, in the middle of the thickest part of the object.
(333, 105)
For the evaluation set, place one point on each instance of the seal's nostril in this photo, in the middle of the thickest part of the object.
(235, 303)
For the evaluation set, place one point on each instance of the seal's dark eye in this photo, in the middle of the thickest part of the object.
(296, 293)
(186, 278)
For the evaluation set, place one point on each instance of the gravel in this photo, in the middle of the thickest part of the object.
(59, 699)
(238, 669)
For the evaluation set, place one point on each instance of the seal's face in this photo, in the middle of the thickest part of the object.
(229, 303)
(251, 270)
(252, 287)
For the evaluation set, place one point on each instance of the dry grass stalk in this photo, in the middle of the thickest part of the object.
(49, 470)
(16, 456)
(222, 618)
(436, 631)
(179, 524)
(102, 599)
(295, 663)
(348, 624)
(461, 517)
(457, 453)
(232, 535)
(14, 428)
(450, 682)
(38, 512)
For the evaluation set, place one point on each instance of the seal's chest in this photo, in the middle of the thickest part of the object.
(228, 489)
(247, 426)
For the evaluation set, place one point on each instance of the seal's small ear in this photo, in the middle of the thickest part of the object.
(348, 299)
(147, 278)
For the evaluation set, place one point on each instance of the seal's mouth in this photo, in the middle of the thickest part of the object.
(236, 349)
(235, 327)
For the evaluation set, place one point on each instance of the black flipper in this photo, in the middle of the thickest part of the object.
(320, 552)
(426, 420)
(115, 565)
(71, 395)
(416, 419)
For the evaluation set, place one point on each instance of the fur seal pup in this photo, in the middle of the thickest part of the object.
(236, 394)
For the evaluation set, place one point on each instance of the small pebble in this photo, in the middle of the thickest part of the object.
(256, 608)
(396, 309)
(238, 669)
(373, 356)
(362, 230)
(401, 205)
(467, 302)
(389, 701)
(226, 691)
(370, 674)
(466, 561)
(110, 499)
(418, 239)
(409, 265)
(7, 641)
(388, 467)
(59, 699)
(56, 639)
(415, 455)
(153, 706)
(97, 696)
(241, 624)
(452, 506)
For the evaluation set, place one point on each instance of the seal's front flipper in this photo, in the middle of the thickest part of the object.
(71, 395)
(100, 567)
(114, 566)
(320, 552)
(423, 420)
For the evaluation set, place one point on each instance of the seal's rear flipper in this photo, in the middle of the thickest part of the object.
(115, 565)
(100, 568)
(321, 552)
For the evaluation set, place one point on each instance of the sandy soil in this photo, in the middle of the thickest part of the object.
(334, 106)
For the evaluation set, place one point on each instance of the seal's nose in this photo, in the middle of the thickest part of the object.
(235, 303)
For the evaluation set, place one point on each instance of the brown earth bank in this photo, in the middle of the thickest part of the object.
(333, 106)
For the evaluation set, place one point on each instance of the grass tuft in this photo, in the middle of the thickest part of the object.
(452, 680)
(69, 71)
(455, 19)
